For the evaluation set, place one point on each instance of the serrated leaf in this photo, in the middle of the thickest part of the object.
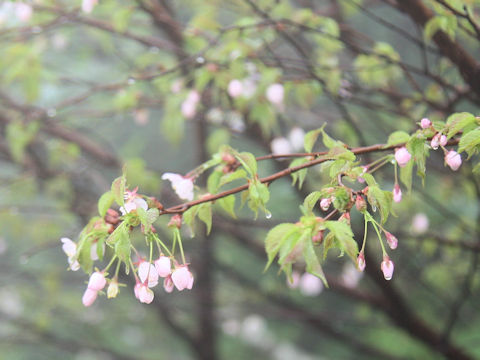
(205, 214)
(228, 204)
(213, 181)
(84, 254)
(310, 139)
(398, 137)
(469, 141)
(275, 239)
(328, 141)
(249, 162)
(406, 175)
(344, 235)
(311, 200)
(301, 174)
(419, 150)
(380, 199)
(122, 245)
(104, 203)
(458, 121)
(118, 190)
(311, 260)
(227, 178)
(152, 215)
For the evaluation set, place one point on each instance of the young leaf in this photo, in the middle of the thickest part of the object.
(118, 190)
(310, 139)
(469, 142)
(458, 121)
(343, 234)
(228, 204)
(122, 245)
(275, 238)
(313, 264)
(380, 199)
(301, 174)
(205, 214)
(398, 137)
(311, 200)
(104, 203)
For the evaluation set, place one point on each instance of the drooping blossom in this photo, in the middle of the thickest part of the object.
(387, 267)
(391, 240)
(182, 278)
(280, 146)
(397, 193)
(296, 137)
(453, 159)
(70, 249)
(168, 284)
(425, 123)
(275, 94)
(235, 88)
(112, 290)
(361, 261)
(148, 271)
(145, 295)
(402, 156)
(310, 285)
(183, 186)
(97, 281)
(163, 266)
(89, 297)
(88, 5)
(325, 203)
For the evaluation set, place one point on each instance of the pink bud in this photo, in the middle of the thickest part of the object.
(361, 261)
(275, 94)
(443, 140)
(387, 268)
(97, 281)
(325, 203)
(435, 141)
(145, 295)
(89, 297)
(147, 270)
(318, 237)
(235, 88)
(453, 159)
(397, 193)
(168, 284)
(391, 240)
(425, 123)
(402, 156)
(182, 278)
(163, 266)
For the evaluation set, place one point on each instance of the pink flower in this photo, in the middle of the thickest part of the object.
(188, 109)
(325, 203)
(435, 141)
(183, 186)
(443, 140)
(97, 281)
(193, 96)
(145, 295)
(387, 268)
(168, 284)
(402, 156)
(397, 193)
(361, 261)
(275, 94)
(453, 159)
(280, 146)
(89, 297)
(296, 137)
(425, 123)
(136, 289)
(70, 249)
(235, 88)
(148, 271)
(163, 266)
(88, 5)
(391, 240)
(133, 202)
(182, 278)
(310, 285)
(420, 223)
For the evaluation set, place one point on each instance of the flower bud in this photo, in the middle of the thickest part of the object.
(453, 159)
(345, 217)
(387, 267)
(89, 297)
(443, 140)
(163, 266)
(360, 203)
(235, 88)
(112, 289)
(435, 143)
(402, 156)
(182, 278)
(97, 281)
(147, 270)
(275, 94)
(145, 295)
(425, 123)
(391, 240)
(168, 284)
(175, 221)
(397, 193)
(361, 261)
(325, 203)
(318, 237)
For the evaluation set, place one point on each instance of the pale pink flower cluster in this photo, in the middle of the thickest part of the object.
(438, 140)
(132, 202)
(149, 274)
(294, 142)
(182, 185)
(189, 105)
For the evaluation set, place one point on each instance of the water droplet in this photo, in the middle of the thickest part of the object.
(131, 81)
(374, 208)
(51, 112)
(268, 215)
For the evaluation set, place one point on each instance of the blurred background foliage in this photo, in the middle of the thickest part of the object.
(84, 92)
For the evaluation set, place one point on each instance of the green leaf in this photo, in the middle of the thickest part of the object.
(83, 254)
(419, 150)
(275, 239)
(248, 161)
(228, 204)
(469, 142)
(152, 215)
(104, 203)
(205, 214)
(458, 121)
(301, 174)
(118, 190)
(213, 181)
(343, 234)
(227, 178)
(398, 137)
(380, 199)
(311, 259)
(310, 139)
(445, 23)
(406, 175)
(123, 245)
(311, 200)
